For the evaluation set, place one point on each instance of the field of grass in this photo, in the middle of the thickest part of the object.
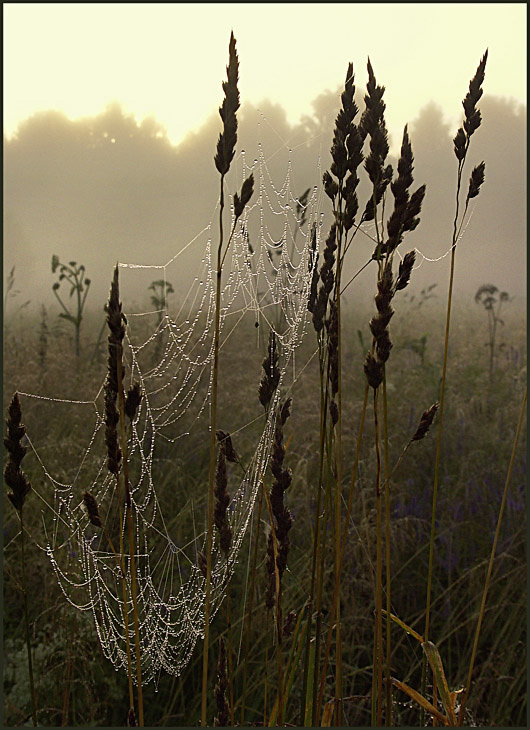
(330, 525)
(75, 681)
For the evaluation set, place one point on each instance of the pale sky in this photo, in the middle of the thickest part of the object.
(168, 60)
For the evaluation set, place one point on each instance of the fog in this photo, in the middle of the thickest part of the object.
(106, 188)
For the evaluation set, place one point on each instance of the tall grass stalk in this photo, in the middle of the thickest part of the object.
(340, 185)
(268, 616)
(17, 481)
(248, 622)
(461, 145)
(373, 125)
(378, 570)
(306, 717)
(132, 548)
(388, 685)
(278, 542)
(213, 423)
(26, 622)
(490, 564)
(117, 463)
(338, 505)
(125, 598)
(319, 685)
(224, 155)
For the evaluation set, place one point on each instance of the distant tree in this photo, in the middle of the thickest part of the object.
(430, 133)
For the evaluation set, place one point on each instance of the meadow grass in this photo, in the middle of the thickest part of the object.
(475, 457)
(372, 537)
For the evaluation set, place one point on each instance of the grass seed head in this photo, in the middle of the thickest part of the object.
(425, 422)
(472, 114)
(240, 201)
(331, 188)
(225, 442)
(405, 270)
(476, 180)
(332, 325)
(384, 295)
(460, 144)
(379, 190)
(115, 322)
(92, 509)
(373, 370)
(111, 432)
(14, 477)
(271, 373)
(313, 261)
(411, 220)
(373, 124)
(281, 514)
(383, 346)
(327, 277)
(115, 319)
(132, 401)
(400, 190)
(228, 137)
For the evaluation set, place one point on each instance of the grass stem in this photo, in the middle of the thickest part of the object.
(213, 425)
(26, 623)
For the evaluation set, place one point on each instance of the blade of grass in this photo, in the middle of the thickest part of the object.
(435, 660)
(404, 626)
(421, 701)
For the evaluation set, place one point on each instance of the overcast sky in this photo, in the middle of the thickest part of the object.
(168, 60)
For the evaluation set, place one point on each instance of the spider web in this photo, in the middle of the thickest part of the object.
(267, 279)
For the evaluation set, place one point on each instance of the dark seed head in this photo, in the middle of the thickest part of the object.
(425, 422)
(476, 180)
(14, 477)
(240, 201)
(405, 270)
(132, 401)
(92, 509)
(373, 371)
(228, 137)
(225, 441)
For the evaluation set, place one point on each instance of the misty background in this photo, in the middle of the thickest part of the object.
(107, 188)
